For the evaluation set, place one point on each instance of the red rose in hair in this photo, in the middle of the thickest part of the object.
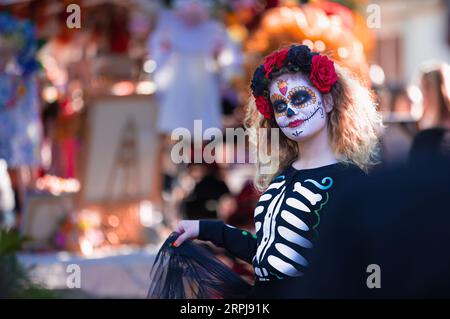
(323, 74)
(277, 58)
(263, 106)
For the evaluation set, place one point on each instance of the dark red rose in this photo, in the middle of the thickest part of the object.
(275, 59)
(323, 74)
(263, 106)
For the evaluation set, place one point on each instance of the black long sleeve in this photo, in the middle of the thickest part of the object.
(238, 242)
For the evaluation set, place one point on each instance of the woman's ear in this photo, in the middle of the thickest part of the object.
(328, 102)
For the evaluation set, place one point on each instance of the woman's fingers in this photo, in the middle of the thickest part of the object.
(187, 229)
(181, 239)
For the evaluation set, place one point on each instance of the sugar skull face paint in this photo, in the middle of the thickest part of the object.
(300, 110)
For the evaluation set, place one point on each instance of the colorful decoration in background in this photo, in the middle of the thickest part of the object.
(20, 129)
(57, 185)
(18, 49)
(98, 229)
(323, 26)
(18, 38)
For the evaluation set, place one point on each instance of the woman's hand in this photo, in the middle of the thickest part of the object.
(188, 229)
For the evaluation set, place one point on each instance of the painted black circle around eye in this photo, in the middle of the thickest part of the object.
(279, 106)
(300, 97)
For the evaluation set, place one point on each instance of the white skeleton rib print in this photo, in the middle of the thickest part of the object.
(285, 220)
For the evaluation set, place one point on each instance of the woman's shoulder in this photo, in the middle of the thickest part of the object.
(351, 168)
(350, 173)
(333, 172)
(343, 167)
(336, 172)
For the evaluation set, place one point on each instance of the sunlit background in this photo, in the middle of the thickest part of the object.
(85, 172)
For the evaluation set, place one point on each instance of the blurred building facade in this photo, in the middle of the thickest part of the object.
(410, 33)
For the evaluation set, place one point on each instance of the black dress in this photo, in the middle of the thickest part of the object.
(287, 219)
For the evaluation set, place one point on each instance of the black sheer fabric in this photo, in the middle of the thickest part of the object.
(192, 272)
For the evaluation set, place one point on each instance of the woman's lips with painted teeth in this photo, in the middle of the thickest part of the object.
(295, 123)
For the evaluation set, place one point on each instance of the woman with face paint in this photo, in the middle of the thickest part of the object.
(329, 127)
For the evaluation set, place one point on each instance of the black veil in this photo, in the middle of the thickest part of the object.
(190, 271)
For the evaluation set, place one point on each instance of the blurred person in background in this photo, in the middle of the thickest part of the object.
(210, 189)
(430, 143)
(387, 236)
(185, 45)
(240, 213)
(435, 87)
(21, 127)
(188, 47)
(435, 121)
(403, 127)
(394, 225)
(400, 127)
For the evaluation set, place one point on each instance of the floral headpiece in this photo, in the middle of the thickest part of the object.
(296, 58)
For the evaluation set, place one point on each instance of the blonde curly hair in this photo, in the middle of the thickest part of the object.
(354, 125)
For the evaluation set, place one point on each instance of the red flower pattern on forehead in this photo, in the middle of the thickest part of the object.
(282, 87)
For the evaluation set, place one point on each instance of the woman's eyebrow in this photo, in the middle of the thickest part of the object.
(297, 89)
(296, 93)
(303, 89)
(276, 97)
